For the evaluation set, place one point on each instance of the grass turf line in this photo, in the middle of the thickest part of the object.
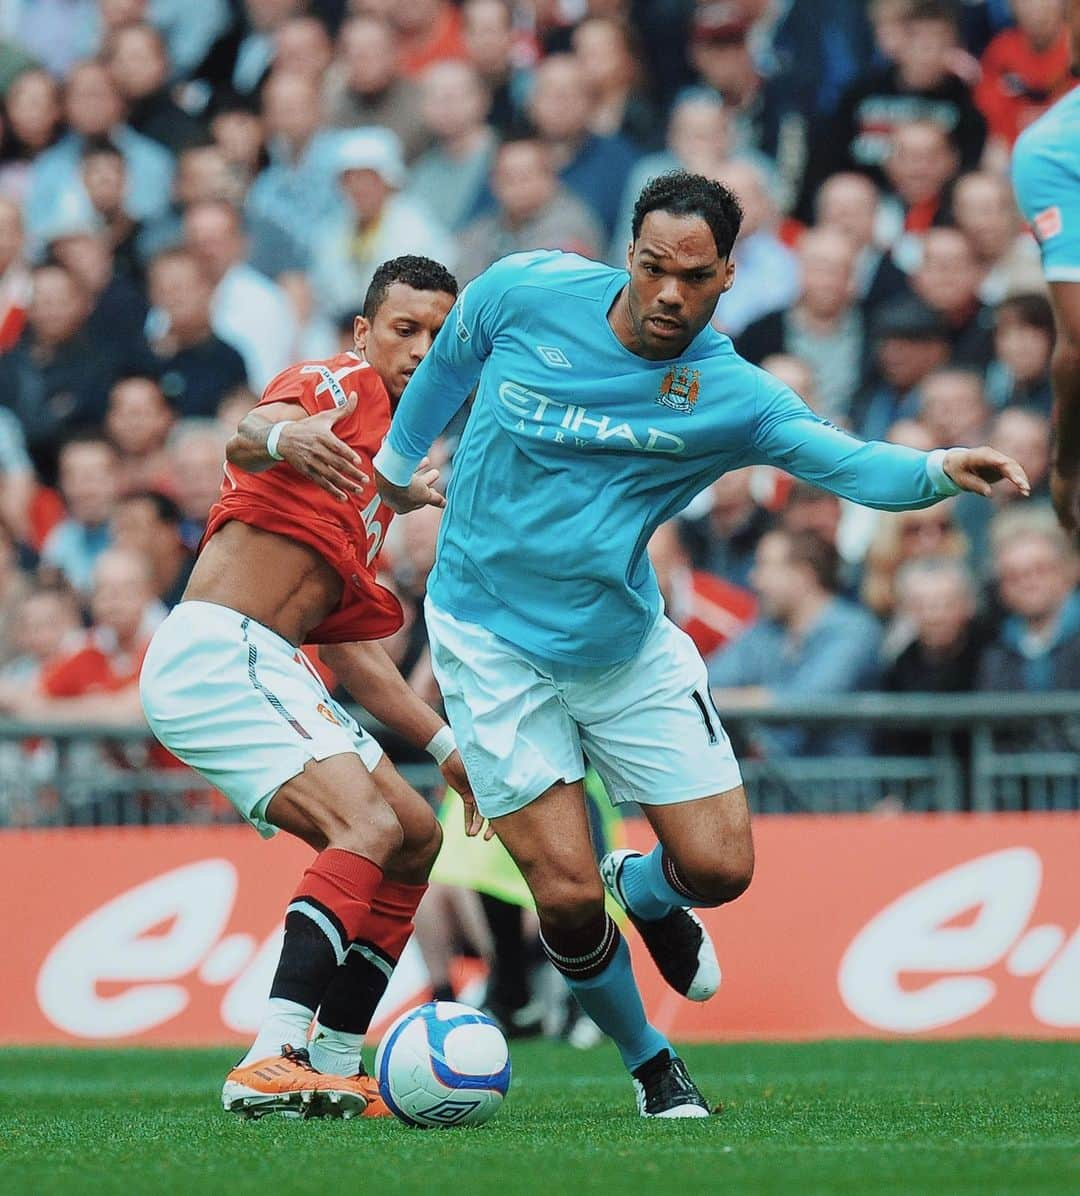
(841, 1118)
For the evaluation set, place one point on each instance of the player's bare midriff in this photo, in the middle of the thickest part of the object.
(278, 582)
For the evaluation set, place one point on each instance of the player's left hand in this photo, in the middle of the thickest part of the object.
(453, 770)
(420, 492)
(976, 469)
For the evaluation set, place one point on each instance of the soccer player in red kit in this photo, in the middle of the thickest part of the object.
(289, 557)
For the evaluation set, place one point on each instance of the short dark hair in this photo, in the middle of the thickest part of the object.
(817, 554)
(102, 144)
(1028, 308)
(420, 273)
(933, 10)
(683, 194)
(165, 508)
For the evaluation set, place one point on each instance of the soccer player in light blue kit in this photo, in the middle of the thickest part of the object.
(605, 403)
(1046, 178)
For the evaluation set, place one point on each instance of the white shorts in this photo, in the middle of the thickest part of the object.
(242, 706)
(648, 725)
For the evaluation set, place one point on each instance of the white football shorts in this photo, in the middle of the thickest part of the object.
(647, 725)
(242, 706)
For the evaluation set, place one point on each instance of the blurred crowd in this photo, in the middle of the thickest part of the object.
(193, 195)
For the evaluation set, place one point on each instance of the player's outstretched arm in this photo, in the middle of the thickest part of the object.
(368, 673)
(1065, 379)
(274, 432)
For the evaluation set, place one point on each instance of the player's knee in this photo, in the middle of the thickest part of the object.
(567, 901)
(719, 878)
(373, 831)
(418, 850)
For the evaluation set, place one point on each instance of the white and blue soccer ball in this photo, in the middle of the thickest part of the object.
(443, 1064)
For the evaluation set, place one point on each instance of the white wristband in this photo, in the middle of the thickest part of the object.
(442, 746)
(935, 471)
(272, 438)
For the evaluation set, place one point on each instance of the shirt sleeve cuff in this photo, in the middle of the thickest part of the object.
(397, 470)
(935, 471)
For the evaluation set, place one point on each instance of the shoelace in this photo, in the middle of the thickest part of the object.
(299, 1056)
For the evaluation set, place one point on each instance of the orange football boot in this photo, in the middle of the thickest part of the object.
(376, 1106)
(288, 1084)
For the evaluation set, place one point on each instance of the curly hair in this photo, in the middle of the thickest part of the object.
(683, 194)
(420, 273)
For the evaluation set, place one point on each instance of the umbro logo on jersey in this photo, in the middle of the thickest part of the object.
(679, 389)
(552, 356)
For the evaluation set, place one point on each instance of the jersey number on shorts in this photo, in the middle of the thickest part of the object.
(374, 527)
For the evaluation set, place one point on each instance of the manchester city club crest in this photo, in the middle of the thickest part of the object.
(679, 389)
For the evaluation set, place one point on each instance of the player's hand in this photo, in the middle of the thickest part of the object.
(453, 770)
(420, 492)
(976, 469)
(1065, 495)
(314, 449)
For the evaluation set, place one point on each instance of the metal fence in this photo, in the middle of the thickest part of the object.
(980, 752)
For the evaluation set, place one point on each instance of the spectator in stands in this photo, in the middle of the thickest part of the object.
(14, 275)
(242, 59)
(93, 108)
(430, 31)
(137, 423)
(851, 203)
(17, 480)
(147, 522)
(34, 120)
(138, 61)
(921, 83)
(904, 536)
(197, 455)
(195, 367)
(58, 376)
(947, 279)
(808, 641)
(770, 114)
(450, 177)
(709, 609)
(203, 173)
(56, 37)
(1007, 259)
(1024, 70)
(104, 176)
(367, 87)
(920, 164)
(303, 46)
(824, 327)
(379, 223)
(726, 537)
(118, 304)
(910, 341)
(1038, 646)
(298, 189)
(14, 587)
(236, 129)
(595, 167)
(953, 407)
(604, 47)
(1019, 375)
(45, 626)
(247, 310)
(89, 483)
(97, 682)
(534, 211)
(487, 31)
(766, 271)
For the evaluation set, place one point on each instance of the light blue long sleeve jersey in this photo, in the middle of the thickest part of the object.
(577, 449)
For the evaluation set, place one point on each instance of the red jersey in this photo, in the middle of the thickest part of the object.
(348, 535)
(1019, 82)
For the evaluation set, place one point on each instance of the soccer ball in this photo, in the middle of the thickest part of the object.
(443, 1064)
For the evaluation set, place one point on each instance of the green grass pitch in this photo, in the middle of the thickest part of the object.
(863, 1118)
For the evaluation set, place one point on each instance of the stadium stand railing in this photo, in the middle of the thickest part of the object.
(985, 753)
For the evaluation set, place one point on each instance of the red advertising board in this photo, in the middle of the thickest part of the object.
(854, 925)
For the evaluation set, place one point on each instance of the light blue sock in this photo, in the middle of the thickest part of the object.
(612, 1000)
(646, 888)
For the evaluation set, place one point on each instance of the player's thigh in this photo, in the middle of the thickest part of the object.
(650, 728)
(510, 722)
(238, 704)
(710, 841)
(550, 841)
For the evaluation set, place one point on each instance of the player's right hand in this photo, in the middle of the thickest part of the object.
(312, 447)
(420, 492)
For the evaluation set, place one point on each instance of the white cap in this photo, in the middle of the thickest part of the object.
(375, 149)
